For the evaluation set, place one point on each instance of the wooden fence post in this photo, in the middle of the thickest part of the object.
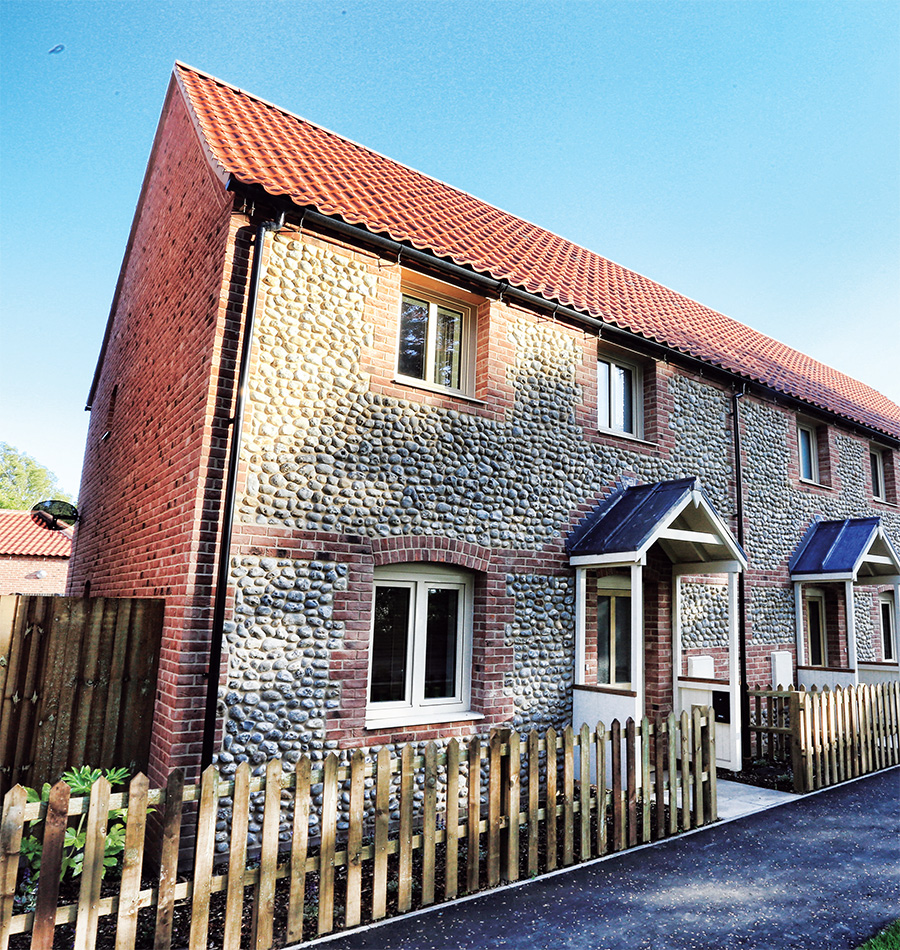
(92, 868)
(568, 796)
(11, 827)
(550, 810)
(55, 822)
(600, 744)
(511, 805)
(797, 732)
(495, 779)
(584, 793)
(264, 902)
(132, 864)
(429, 824)
(407, 788)
(473, 815)
(534, 799)
(631, 780)
(451, 851)
(382, 829)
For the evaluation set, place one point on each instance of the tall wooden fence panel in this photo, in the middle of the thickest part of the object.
(827, 736)
(77, 684)
(394, 832)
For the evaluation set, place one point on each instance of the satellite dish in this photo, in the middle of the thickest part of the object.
(54, 515)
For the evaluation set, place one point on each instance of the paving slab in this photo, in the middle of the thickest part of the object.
(736, 799)
(820, 871)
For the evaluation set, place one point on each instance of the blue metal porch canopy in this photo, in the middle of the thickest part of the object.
(676, 513)
(841, 549)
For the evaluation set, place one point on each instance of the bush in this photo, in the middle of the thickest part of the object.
(80, 781)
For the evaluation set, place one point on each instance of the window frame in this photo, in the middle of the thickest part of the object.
(415, 708)
(615, 587)
(637, 395)
(817, 596)
(435, 299)
(877, 467)
(811, 430)
(889, 635)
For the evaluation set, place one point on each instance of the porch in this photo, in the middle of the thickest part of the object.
(834, 561)
(633, 559)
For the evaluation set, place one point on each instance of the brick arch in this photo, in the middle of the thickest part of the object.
(430, 549)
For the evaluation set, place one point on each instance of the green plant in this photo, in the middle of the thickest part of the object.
(888, 939)
(80, 781)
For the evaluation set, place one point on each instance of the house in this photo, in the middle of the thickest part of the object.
(33, 559)
(463, 473)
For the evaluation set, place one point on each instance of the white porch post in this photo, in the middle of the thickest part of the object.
(676, 641)
(637, 638)
(735, 734)
(798, 626)
(580, 612)
(895, 631)
(851, 630)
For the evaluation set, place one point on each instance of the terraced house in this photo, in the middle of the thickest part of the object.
(404, 465)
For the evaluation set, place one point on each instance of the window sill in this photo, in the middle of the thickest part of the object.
(811, 484)
(421, 719)
(616, 434)
(613, 690)
(412, 383)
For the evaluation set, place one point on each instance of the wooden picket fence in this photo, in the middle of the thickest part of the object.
(830, 735)
(77, 684)
(394, 832)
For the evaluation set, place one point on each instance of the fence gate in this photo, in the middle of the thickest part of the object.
(77, 684)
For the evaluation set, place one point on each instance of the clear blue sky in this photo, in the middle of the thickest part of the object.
(743, 153)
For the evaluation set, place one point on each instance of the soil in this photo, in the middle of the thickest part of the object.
(763, 774)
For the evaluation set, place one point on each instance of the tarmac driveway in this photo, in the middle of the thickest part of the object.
(821, 871)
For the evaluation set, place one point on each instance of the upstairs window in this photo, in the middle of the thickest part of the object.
(808, 446)
(435, 342)
(619, 403)
(876, 461)
(421, 644)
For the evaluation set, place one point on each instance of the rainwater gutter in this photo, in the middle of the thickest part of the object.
(234, 452)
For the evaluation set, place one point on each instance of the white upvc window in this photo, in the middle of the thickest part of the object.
(619, 396)
(816, 634)
(435, 341)
(808, 447)
(421, 645)
(614, 638)
(876, 462)
(888, 627)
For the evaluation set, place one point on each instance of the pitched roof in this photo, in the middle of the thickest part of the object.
(21, 537)
(675, 513)
(839, 548)
(260, 144)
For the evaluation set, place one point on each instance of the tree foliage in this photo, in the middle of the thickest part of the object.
(23, 481)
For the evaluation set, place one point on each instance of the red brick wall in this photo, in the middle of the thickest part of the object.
(17, 575)
(150, 488)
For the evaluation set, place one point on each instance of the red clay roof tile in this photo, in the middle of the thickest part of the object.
(21, 537)
(263, 145)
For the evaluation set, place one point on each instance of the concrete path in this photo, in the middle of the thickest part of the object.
(736, 799)
(822, 871)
